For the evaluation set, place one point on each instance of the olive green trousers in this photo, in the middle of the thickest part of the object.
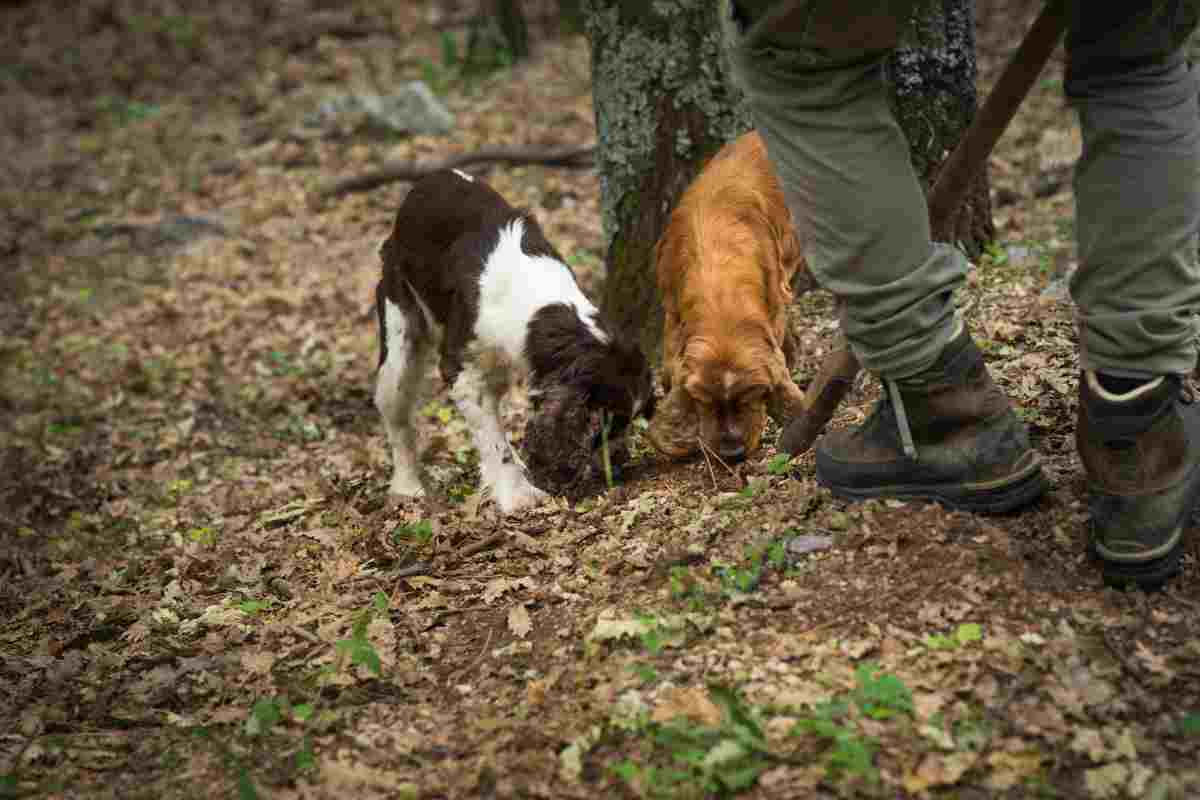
(813, 79)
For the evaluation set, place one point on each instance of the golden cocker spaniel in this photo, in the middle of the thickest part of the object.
(728, 264)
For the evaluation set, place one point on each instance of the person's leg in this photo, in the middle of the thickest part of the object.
(819, 101)
(1137, 188)
(1137, 289)
(814, 83)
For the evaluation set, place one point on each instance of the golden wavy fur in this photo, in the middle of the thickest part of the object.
(726, 264)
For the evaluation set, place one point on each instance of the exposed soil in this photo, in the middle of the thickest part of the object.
(205, 590)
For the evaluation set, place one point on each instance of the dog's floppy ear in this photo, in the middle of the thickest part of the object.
(675, 429)
(786, 400)
(557, 400)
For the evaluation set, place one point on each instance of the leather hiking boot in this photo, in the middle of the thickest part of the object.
(946, 434)
(1141, 452)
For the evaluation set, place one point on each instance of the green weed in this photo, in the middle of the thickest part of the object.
(850, 754)
(780, 464)
(964, 634)
(877, 695)
(271, 722)
(204, 536)
(358, 648)
(297, 428)
(881, 695)
(585, 259)
(436, 411)
(253, 607)
(688, 759)
(419, 533)
(645, 673)
(123, 111)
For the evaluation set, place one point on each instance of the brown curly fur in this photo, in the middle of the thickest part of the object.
(728, 264)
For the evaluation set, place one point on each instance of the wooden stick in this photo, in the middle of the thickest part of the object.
(831, 384)
(989, 124)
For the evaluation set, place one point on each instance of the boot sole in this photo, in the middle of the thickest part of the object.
(1151, 573)
(1147, 575)
(994, 497)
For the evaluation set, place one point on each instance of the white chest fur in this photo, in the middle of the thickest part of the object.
(514, 285)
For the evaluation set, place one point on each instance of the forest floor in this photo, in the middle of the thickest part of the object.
(205, 591)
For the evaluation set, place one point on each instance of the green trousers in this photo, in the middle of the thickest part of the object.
(813, 78)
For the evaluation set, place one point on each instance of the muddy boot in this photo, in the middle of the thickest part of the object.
(1140, 447)
(945, 434)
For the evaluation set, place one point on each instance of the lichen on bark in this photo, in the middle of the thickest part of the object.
(642, 52)
(932, 77)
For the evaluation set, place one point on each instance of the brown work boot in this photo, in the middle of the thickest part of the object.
(946, 434)
(1140, 447)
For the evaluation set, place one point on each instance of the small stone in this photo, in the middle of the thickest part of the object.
(412, 109)
(808, 543)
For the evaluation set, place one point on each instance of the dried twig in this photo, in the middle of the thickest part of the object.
(572, 157)
(709, 451)
(477, 548)
(306, 634)
(707, 460)
(475, 662)
(419, 568)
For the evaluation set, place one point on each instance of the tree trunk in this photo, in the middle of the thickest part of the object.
(664, 106)
(932, 75)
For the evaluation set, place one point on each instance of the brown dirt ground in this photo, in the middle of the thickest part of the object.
(205, 591)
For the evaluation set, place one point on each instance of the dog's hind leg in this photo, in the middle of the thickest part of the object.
(405, 348)
(477, 395)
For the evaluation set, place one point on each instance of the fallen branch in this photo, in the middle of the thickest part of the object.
(571, 157)
(419, 568)
(477, 548)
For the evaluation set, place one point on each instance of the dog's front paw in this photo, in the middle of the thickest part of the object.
(514, 492)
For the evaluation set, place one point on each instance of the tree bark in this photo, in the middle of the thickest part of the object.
(932, 76)
(664, 106)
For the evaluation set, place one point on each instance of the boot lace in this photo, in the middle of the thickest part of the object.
(1188, 392)
(906, 437)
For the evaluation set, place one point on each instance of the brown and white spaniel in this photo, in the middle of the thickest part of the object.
(462, 261)
(727, 266)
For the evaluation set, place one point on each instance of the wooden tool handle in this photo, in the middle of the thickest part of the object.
(824, 394)
(837, 373)
(990, 122)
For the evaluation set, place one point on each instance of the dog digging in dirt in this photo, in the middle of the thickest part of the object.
(463, 266)
(729, 264)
